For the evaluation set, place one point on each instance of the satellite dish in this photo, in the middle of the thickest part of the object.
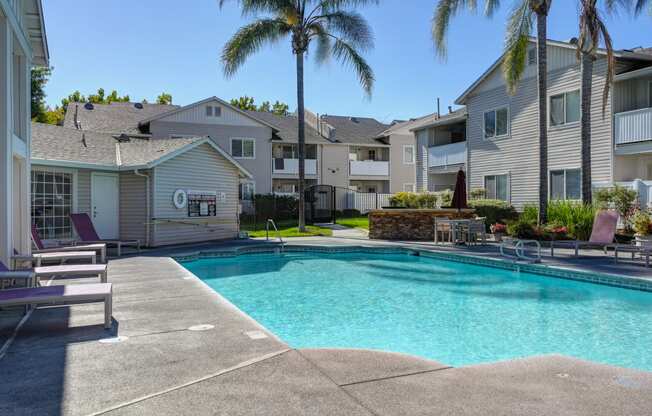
(139, 106)
(89, 106)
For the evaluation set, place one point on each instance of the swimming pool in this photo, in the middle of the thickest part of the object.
(452, 312)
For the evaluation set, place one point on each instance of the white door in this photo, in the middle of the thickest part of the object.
(105, 204)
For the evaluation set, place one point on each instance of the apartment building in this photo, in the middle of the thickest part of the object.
(356, 153)
(501, 130)
(23, 44)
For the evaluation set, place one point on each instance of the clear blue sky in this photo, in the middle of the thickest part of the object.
(145, 47)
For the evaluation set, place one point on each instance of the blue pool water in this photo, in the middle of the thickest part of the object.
(451, 312)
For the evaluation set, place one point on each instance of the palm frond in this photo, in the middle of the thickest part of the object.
(324, 44)
(253, 7)
(249, 39)
(642, 5)
(446, 10)
(516, 43)
(350, 27)
(346, 54)
(333, 5)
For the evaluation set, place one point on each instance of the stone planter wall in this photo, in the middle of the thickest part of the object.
(409, 224)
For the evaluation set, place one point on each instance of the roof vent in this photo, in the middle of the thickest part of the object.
(573, 41)
(353, 119)
(89, 106)
(139, 106)
(123, 138)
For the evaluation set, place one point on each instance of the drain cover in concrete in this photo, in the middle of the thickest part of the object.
(256, 334)
(203, 327)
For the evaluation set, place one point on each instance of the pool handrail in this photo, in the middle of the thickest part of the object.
(278, 233)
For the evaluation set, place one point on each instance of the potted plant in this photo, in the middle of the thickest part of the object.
(643, 227)
(557, 232)
(498, 230)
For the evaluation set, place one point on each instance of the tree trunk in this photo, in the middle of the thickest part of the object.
(542, 75)
(587, 75)
(302, 143)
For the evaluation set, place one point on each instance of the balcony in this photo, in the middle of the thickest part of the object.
(291, 166)
(633, 126)
(447, 155)
(368, 168)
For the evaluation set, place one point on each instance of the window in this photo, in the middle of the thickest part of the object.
(52, 203)
(243, 148)
(496, 123)
(246, 191)
(213, 111)
(565, 108)
(408, 154)
(372, 154)
(496, 187)
(565, 184)
(371, 190)
(532, 56)
(408, 187)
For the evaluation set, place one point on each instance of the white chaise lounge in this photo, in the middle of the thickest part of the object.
(57, 295)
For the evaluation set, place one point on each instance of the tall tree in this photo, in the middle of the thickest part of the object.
(244, 103)
(40, 76)
(520, 26)
(280, 109)
(337, 31)
(164, 98)
(592, 32)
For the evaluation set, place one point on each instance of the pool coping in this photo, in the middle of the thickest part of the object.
(605, 279)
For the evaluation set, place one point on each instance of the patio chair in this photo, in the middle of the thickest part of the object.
(444, 227)
(64, 294)
(40, 248)
(477, 228)
(86, 232)
(602, 235)
(66, 270)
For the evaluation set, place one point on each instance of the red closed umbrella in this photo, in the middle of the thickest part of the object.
(459, 197)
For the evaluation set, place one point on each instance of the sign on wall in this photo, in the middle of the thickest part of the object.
(202, 204)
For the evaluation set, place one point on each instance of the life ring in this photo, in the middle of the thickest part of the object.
(180, 198)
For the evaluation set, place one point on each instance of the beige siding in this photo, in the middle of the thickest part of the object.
(401, 173)
(632, 94)
(422, 142)
(133, 207)
(517, 154)
(199, 169)
(84, 191)
(197, 114)
(335, 165)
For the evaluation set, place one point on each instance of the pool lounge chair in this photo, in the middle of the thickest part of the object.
(64, 294)
(40, 248)
(87, 234)
(67, 270)
(602, 235)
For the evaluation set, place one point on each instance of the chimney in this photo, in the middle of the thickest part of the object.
(77, 125)
(437, 108)
(450, 109)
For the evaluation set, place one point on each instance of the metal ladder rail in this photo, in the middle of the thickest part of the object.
(519, 248)
(278, 233)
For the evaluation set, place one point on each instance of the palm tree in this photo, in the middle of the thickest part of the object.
(592, 30)
(519, 28)
(337, 32)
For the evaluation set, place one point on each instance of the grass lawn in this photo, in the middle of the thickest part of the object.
(357, 222)
(287, 229)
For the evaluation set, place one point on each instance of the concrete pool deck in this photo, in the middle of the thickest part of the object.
(56, 364)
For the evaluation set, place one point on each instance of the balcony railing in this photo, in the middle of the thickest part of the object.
(447, 155)
(633, 126)
(291, 166)
(368, 168)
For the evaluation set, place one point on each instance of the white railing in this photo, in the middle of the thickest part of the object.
(361, 201)
(633, 126)
(368, 168)
(446, 155)
(291, 166)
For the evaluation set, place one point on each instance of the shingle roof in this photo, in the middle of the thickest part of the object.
(63, 144)
(405, 127)
(288, 127)
(355, 130)
(112, 118)
(55, 143)
(434, 120)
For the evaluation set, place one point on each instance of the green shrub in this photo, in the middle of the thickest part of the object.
(478, 193)
(351, 213)
(523, 229)
(530, 214)
(423, 200)
(496, 211)
(641, 222)
(575, 216)
(445, 198)
(619, 198)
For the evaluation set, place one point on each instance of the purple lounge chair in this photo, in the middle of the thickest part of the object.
(65, 270)
(65, 251)
(65, 294)
(87, 234)
(602, 234)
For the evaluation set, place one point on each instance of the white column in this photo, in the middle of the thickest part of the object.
(6, 142)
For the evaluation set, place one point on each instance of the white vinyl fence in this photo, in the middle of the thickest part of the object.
(362, 201)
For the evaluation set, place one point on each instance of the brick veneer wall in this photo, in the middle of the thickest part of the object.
(409, 224)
